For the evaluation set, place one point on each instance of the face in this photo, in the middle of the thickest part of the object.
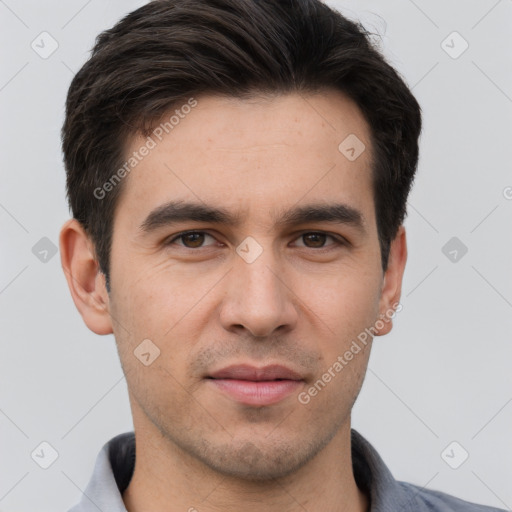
(252, 283)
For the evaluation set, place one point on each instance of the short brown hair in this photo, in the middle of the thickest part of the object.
(170, 50)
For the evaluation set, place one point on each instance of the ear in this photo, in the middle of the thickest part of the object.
(392, 285)
(86, 282)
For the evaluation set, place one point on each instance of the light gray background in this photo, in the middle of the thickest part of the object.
(441, 375)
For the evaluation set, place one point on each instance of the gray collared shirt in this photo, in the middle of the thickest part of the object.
(116, 461)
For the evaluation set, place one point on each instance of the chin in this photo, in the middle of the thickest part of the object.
(258, 461)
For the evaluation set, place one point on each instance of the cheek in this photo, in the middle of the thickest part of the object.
(347, 302)
(163, 305)
(153, 298)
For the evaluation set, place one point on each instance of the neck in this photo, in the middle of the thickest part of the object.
(167, 479)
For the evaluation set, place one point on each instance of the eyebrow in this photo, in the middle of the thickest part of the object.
(174, 212)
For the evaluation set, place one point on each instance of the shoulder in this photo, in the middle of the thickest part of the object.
(422, 499)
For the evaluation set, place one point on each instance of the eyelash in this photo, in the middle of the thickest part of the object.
(337, 241)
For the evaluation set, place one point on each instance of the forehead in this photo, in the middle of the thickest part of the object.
(252, 157)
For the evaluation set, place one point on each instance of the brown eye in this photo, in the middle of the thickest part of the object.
(190, 239)
(317, 240)
(314, 239)
(193, 240)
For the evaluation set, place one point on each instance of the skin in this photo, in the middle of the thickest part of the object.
(301, 303)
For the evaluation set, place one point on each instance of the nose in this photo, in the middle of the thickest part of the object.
(258, 299)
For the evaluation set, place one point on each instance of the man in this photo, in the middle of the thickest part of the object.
(238, 172)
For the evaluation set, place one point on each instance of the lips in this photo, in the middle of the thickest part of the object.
(251, 373)
(249, 385)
